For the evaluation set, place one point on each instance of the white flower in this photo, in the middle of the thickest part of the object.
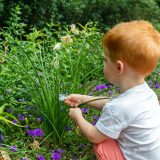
(73, 26)
(67, 39)
(57, 46)
(74, 29)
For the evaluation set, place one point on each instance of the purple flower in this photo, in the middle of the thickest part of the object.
(31, 133)
(15, 121)
(100, 87)
(110, 92)
(9, 110)
(39, 119)
(13, 149)
(36, 132)
(26, 126)
(68, 128)
(25, 159)
(21, 117)
(95, 117)
(84, 110)
(40, 157)
(94, 123)
(55, 155)
(1, 138)
(82, 145)
(109, 86)
(60, 151)
(157, 85)
(28, 108)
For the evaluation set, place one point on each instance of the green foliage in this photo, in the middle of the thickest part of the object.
(44, 72)
(1, 8)
(17, 28)
(5, 116)
(106, 13)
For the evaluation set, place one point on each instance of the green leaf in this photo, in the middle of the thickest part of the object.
(0, 68)
(2, 129)
(1, 98)
(2, 108)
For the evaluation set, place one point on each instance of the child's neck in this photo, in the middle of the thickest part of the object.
(130, 81)
(126, 86)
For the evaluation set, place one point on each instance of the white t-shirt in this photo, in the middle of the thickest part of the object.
(133, 118)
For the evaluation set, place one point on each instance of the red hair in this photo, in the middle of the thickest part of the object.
(137, 43)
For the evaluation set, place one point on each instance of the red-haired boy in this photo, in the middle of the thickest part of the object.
(129, 126)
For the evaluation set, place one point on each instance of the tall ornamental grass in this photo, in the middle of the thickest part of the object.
(52, 63)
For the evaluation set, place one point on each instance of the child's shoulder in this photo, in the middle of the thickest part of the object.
(137, 94)
(134, 101)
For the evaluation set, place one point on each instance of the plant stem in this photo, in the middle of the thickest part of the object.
(96, 99)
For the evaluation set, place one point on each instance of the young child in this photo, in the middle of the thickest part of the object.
(129, 127)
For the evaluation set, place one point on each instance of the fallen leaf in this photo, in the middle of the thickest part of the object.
(35, 145)
(4, 155)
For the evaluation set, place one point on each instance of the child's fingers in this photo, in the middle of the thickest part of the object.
(70, 103)
(73, 104)
(67, 102)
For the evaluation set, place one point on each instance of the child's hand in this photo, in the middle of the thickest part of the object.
(74, 113)
(73, 100)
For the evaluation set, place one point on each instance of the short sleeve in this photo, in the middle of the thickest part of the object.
(112, 121)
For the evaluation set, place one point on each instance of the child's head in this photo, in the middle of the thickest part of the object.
(136, 43)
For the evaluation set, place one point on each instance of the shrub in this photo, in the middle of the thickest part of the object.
(106, 13)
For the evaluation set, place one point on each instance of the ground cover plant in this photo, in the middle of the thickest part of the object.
(37, 69)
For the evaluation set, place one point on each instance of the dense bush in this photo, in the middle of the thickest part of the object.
(1, 7)
(105, 12)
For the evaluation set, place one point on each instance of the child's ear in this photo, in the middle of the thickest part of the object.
(120, 67)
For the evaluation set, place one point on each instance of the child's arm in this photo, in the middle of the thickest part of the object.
(76, 99)
(90, 131)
